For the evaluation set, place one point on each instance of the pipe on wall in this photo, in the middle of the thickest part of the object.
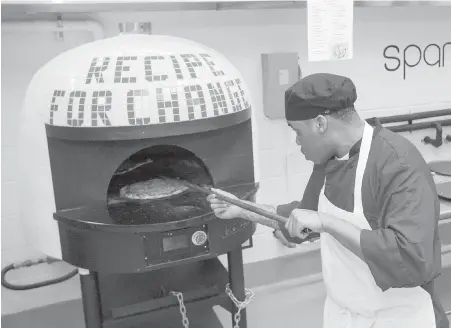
(411, 117)
(52, 26)
(419, 126)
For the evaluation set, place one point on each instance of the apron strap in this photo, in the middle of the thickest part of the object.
(363, 159)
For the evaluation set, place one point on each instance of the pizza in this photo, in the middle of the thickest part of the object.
(153, 189)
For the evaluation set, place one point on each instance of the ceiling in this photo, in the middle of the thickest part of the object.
(11, 9)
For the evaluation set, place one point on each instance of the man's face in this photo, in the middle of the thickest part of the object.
(311, 136)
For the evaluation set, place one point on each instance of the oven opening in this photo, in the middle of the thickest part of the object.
(139, 194)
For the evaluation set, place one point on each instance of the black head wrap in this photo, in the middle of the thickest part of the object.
(319, 94)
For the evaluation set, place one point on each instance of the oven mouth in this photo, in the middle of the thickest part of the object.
(137, 195)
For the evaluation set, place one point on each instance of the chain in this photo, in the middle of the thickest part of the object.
(185, 320)
(249, 297)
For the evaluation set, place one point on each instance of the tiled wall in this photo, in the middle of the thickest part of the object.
(243, 36)
(22, 55)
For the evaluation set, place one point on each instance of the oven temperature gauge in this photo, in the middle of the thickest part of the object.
(199, 238)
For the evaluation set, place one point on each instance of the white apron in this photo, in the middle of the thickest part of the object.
(353, 298)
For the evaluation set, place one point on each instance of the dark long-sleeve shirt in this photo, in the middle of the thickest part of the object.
(401, 205)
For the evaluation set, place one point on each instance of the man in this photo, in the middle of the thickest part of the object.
(372, 199)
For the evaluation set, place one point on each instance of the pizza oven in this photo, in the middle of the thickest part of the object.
(104, 229)
(112, 121)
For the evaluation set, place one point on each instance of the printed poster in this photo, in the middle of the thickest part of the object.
(330, 29)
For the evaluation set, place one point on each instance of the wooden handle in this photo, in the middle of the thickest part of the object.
(251, 208)
(241, 204)
(255, 209)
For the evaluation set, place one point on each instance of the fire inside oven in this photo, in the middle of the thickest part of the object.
(140, 193)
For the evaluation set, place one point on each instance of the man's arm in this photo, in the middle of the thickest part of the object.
(278, 227)
(309, 201)
(401, 254)
(257, 218)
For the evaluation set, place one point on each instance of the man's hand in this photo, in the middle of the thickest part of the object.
(301, 219)
(225, 210)
(222, 209)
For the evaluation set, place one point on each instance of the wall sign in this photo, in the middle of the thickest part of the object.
(399, 65)
(405, 58)
(330, 29)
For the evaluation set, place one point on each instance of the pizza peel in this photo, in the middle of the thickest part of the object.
(238, 202)
(207, 191)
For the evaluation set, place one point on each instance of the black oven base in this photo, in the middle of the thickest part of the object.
(110, 302)
(90, 241)
(126, 253)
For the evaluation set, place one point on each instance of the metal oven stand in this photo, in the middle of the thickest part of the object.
(158, 310)
(91, 298)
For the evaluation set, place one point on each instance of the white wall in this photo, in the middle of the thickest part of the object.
(243, 36)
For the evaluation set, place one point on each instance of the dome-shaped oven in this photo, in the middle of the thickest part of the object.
(136, 80)
(101, 118)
